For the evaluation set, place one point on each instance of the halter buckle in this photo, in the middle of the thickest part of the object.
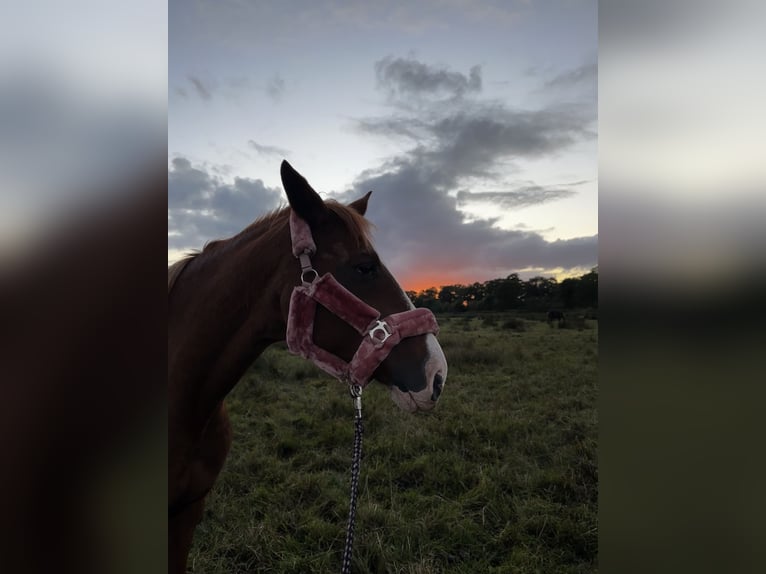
(308, 273)
(380, 327)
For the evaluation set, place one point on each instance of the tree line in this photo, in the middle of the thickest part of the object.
(535, 294)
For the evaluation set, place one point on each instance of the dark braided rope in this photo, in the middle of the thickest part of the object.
(355, 466)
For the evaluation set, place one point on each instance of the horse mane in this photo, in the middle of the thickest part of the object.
(175, 270)
(274, 222)
(271, 224)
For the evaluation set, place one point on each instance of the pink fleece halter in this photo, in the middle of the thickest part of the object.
(379, 337)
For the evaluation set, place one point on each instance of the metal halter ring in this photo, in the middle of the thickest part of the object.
(381, 327)
(311, 278)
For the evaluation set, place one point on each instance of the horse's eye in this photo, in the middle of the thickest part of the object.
(366, 269)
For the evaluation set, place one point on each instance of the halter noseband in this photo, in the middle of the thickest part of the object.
(379, 336)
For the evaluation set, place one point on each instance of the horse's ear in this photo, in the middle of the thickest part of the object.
(360, 205)
(301, 196)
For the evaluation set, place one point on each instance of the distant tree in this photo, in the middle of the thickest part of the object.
(449, 293)
(539, 287)
(427, 299)
(537, 293)
(568, 291)
(581, 291)
(473, 294)
(505, 293)
(587, 290)
(540, 293)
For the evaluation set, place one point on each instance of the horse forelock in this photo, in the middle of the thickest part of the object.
(356, 223)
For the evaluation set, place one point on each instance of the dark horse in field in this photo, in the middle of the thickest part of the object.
(232, 300)
(554, 315)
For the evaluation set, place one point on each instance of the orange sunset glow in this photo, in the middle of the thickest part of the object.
(415, 281)
(419, 282)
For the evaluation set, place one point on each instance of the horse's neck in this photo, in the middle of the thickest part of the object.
(224, 311)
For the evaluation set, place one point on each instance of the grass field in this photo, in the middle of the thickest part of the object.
(501, 477)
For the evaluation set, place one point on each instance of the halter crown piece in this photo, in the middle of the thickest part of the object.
(379, 336)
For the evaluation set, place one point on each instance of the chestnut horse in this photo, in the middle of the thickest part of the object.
(229, 302)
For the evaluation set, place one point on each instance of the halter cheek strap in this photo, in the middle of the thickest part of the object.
(379, 337)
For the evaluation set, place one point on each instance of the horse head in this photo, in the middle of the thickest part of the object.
(414, 369)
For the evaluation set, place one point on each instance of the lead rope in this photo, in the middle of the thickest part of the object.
(356, 393)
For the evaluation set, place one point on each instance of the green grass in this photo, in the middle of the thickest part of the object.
(500, 478)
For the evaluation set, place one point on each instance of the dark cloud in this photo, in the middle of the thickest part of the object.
(268, 149)
(420, 232)
(470, 141)
(402, 77)
(466, 137)
(524, 197)
(202, 207)
(200, 88)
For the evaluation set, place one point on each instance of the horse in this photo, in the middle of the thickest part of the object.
(554, 315)
(230, 301)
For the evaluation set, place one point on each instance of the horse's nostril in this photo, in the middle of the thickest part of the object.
(438, 386)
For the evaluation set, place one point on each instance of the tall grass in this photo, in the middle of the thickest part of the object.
(501, 477)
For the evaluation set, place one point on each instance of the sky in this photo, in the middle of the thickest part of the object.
(474, 123)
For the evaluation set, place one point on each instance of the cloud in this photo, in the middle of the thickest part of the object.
(394, 126)
(200, 88)
(419, 229)
(419, 232)
(417, 194)
(460, 137)
(586, 75)
(202, 207)
(471, 140)
(268, 149)
(404, 77)
(524, 197)
(231, 88)
(275, 89)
